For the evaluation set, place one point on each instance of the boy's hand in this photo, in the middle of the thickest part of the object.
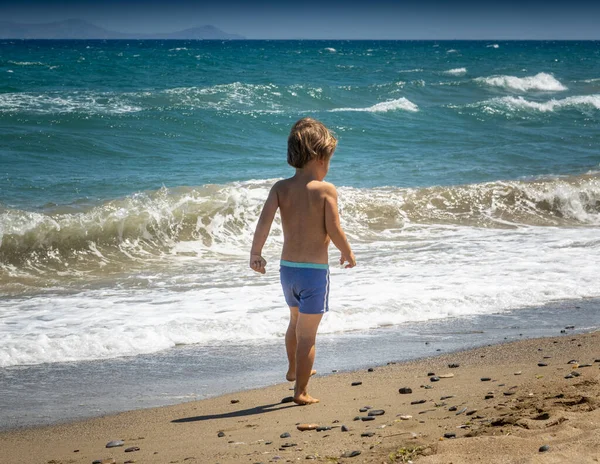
(349, 258)
(258, 263)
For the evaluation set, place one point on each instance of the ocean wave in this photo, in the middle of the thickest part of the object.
(145, 226)
(541, 81)
(27, 63)
(510, 106)
(384, 107)
(83, 102)
(456, 72)
(493, 46)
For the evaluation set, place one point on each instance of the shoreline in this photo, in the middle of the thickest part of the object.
(513, 414)
(52, 394)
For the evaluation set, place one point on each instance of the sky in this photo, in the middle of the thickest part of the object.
(329, 19)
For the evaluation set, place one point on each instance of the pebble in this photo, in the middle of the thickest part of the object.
(446, 397)
(235, 401)
(221, 434)
(303, 427)
(367, 434)
(288, 399)
(429, 374)
(115, 443)
(356, 384)
(288, 445)
(449, 435)
(544, 448)
(461, 411)
(322, 428)
(518, 373)
(345, 429)
(569, 376)
(446, 376)
(597, 360)
(105, 461)
(370, 369)
(132, 449)
(489, 397)
(584, 365)
(376, 412)
(486, 379)
(285, 435)
(418, 402)
(350, 454)
(453, 365)
(573, 361)
(452, 408)
(542, 364)
(405, 417)
(509, 393)
(435, 378)
(310, 456)
(471, 412)
(405, 390)
(363, 409)
(367, 418)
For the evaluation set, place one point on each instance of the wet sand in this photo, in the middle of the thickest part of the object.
(524, 407)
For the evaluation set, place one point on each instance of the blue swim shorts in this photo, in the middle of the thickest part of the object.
(305, 285)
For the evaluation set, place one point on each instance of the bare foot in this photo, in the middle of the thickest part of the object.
(291, 376)
(303, 399)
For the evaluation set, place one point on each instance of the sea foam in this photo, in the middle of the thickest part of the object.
(456, 72)
(541, 81)
(384, 107)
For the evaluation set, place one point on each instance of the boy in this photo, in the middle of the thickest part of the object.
(310, 219)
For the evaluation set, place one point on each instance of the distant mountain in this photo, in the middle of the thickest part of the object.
(79, 29)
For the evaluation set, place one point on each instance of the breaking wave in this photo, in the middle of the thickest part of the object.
(541, 81)
(145, 226)
(384, 107)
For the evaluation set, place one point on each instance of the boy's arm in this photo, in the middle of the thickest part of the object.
(257, 262)
(334, 228)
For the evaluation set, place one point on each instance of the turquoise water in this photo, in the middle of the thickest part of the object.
(132, 174)
(83, 122)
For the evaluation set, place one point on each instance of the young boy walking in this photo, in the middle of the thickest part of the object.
(310, 220)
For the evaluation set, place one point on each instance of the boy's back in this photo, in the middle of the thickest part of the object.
(302, 205)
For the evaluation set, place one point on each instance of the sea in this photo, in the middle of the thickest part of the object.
(132, 175)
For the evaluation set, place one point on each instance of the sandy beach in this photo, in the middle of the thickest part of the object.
(504, 403)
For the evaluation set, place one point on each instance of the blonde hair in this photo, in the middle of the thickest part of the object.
(309, 139)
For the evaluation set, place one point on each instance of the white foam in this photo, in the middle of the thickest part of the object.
(417, 273)
(383, 107)
(27, 63)
(329, 49)
(86, 102)
(512, 104)
(493, 46)
(541, 81)
(451, 51)
(456, 72)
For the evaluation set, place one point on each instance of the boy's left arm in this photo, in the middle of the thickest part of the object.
(257, 262)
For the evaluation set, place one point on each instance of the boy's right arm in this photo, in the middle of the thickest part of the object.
(257, 262)
(334, 228)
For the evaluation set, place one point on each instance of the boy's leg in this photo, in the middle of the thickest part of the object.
(290, 344)
(306, 334)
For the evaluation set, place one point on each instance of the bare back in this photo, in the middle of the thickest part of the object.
(302, 208)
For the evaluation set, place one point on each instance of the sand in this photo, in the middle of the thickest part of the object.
(527, 406)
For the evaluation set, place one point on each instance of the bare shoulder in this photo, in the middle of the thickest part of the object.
(327, 188)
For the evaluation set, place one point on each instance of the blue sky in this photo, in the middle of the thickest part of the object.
(330, 19)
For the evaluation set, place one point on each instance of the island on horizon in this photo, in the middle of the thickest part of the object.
(80, 29)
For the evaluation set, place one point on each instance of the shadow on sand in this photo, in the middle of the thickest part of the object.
(241, 413)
